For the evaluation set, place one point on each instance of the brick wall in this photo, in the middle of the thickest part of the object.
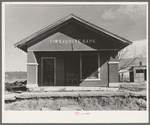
(108, 73)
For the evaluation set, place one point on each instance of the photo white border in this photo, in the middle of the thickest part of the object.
(69, 116)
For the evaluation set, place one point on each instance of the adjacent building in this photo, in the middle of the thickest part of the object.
(136, 72)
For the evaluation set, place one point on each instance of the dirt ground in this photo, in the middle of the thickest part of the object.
(91, 103)
(84, 103)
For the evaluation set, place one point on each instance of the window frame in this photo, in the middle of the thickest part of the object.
(88, 79)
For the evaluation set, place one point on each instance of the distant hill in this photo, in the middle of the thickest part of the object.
(13, 76)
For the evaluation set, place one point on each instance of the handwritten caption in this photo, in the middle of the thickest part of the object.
(82, 113)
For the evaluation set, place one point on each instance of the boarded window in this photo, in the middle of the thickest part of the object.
(139, 71)
(89, 66)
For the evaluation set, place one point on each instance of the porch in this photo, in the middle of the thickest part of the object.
(71, 69)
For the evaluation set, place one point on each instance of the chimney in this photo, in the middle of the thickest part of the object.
(140, 63)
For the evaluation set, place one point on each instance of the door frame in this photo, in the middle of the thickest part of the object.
(54, 58)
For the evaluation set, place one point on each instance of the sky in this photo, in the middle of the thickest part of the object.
(22, 20)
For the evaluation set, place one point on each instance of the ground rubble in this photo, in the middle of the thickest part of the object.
(125, 97)
(28, 95)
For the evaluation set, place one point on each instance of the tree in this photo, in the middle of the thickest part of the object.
(132, 53)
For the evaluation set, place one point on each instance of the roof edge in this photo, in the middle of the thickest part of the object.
(45, 29)
(102, 30)
(25, 40)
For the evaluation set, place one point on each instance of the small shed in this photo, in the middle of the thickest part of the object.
(138, 74)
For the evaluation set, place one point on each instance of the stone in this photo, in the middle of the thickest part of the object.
(142, 103)
(10, 97)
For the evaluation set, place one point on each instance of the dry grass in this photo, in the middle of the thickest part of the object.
(133, 87)
(91, 103)
(111, 103)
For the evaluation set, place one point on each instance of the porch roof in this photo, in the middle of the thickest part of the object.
(23, 44)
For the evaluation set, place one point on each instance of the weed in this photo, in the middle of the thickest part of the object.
(91, 103)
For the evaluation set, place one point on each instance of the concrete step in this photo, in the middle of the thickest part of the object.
(10, 97)
(70, 89)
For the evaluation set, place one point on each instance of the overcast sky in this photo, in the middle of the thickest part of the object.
(128, 21)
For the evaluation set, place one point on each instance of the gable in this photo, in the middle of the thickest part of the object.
(74, 37)
(74, 30)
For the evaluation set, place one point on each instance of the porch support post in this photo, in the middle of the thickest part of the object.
(32, 70)
(113, 74)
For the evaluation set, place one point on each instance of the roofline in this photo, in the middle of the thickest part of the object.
(41, 31)
(22, 42)
(102, 30)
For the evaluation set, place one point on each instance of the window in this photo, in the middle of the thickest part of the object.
(89, 67)
(139, 71)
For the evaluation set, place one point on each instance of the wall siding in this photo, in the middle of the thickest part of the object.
(31, 75)
(113, 73)
(31, 57)
(60, 71)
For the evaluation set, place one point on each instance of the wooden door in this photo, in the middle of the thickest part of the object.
(48, 72)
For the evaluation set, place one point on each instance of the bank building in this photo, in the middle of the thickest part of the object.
(72, 52)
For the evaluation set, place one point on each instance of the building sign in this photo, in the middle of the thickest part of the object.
(62, 41)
